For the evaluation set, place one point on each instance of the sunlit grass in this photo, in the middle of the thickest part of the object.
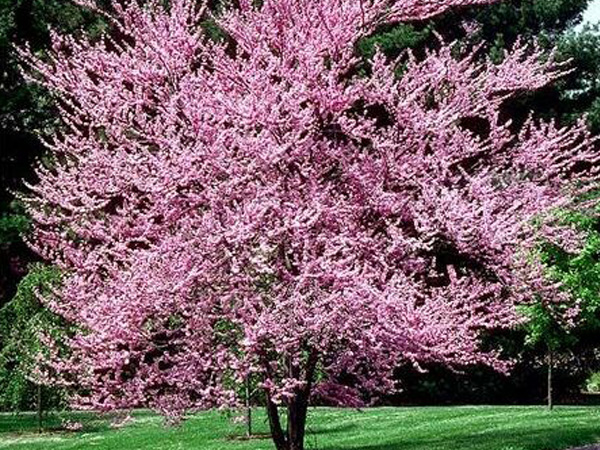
(430, 428)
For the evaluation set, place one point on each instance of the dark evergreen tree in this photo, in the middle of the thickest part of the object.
(24, 109)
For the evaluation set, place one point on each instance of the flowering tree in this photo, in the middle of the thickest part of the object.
(259, 208)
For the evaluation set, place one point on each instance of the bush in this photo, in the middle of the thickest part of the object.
(592, 384)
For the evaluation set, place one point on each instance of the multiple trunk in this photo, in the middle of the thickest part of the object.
(292, 438)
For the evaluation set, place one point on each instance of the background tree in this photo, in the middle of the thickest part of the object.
(545, 332)
(558, 324)
(499, 25)
(25, 109)
(580, 91)
(23, 323)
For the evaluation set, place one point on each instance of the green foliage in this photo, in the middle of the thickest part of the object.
(579, 275)
(24, 106)
(21, 322)
(499, 25)
(592, 384)
(504, 22)
(543, 329)
(11, 227)
(579, 272)
(213, 31)
(393, 40)
(580, 92)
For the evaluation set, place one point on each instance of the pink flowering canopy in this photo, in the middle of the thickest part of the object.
(260, 208)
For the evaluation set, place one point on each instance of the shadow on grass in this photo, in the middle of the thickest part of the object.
(536, 439)
(26, 424)
(334, 429)
(244, 437)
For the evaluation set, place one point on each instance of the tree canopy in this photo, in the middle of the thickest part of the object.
(258, 206)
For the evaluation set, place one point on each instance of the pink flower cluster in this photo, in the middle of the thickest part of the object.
(258, 207)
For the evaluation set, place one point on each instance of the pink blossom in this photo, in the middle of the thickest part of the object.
(258, 208)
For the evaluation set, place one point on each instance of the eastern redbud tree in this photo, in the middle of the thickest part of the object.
(259, 208)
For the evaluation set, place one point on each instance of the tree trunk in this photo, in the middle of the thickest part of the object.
(248, 409)
(293, 437)
(550, 366)
(297, 410)
(39, 407)
(279, 438)
(297, 422)
(298, 407)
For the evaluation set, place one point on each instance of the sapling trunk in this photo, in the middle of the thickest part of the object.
(550, 362)
(248, 410)
(39, 407)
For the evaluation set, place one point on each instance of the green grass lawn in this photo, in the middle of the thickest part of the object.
(431, 428)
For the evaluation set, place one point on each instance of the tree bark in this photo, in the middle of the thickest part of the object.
(248, 409)
(297, 411)
(279, 438)
(39, 407)
(298, 407)
(550, 366)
